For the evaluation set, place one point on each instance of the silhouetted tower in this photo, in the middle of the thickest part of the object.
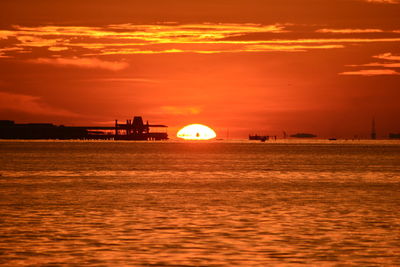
(373, 130)
(137, 125)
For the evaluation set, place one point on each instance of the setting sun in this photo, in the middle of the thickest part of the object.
(196, 132)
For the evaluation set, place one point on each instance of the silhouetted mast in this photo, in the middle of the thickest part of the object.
(373, 130)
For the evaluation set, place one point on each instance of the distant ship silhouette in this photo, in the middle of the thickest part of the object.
(261, 138)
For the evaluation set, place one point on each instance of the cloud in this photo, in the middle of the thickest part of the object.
(377, 64)
(158, 33)
(83, 63)
(388, 56)
(288, 48)
(132, 51)
(336, 40)
(34, 41)
(4, 50)
(224, 46)
(383, 1)
(165, 38)
(31, 104)
(6, 34)
(247, 48)
(374, 72)
(57, 48)
(349, 30)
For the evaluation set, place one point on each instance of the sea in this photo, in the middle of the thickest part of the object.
(185, 203)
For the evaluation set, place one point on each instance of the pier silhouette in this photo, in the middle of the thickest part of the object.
(133, 130)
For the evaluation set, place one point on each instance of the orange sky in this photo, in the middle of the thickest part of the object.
(325, 67)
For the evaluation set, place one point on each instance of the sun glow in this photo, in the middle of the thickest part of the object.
(196, 132)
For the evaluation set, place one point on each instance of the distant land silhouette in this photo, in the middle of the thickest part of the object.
(303, 135)
(394, 135)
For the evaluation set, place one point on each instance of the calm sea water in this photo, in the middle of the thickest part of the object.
(199, 204)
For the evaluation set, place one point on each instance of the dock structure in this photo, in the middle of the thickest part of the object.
(11, 130)
(133, 130)
(136, 130)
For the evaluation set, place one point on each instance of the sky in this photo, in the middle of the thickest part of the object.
(240, 67)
